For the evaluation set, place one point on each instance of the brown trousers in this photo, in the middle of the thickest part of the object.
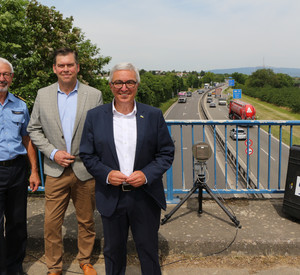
(58, 192)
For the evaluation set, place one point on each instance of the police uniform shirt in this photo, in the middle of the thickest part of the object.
(14, 118)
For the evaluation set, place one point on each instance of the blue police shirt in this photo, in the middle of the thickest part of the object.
(14, 118)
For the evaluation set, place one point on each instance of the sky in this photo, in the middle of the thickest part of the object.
(190, 35)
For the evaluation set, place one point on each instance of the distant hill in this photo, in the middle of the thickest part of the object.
(293, 72)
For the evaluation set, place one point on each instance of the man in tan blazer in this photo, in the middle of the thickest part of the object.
(55, 127)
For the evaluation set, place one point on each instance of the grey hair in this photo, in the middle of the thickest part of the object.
(125, 66)
(5, 61)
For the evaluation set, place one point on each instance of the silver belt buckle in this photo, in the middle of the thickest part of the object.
(124, 188)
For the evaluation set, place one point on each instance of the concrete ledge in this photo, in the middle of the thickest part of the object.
(265, 229)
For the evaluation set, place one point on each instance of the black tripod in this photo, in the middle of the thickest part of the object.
(200, 184)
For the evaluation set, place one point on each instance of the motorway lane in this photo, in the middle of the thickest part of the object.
(183, 178)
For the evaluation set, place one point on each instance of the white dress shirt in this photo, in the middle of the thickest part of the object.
(125, 136)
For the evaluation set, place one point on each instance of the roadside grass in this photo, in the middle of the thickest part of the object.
(267, 111)
(166, 105)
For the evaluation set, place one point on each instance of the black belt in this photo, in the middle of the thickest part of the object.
(10, 162)
(127, 187)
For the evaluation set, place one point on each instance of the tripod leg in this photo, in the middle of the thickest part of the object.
(233, 218)
(200, 179)
(168, 216)
(200, 200)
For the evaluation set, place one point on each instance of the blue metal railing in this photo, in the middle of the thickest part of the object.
(231, 152)
(243, 173)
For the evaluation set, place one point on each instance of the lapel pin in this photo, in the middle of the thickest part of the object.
(141, 116)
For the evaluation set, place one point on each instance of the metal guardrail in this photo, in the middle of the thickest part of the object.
(243, 172)
(251, 183)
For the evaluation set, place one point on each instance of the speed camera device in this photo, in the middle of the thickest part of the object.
(201, 151)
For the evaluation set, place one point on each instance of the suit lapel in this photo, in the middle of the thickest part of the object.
(108, 121)
(141, 119)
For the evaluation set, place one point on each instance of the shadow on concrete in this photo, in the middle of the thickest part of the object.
(192, 205)
(278, 205)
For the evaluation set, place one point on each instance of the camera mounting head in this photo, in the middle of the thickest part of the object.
(201, 151)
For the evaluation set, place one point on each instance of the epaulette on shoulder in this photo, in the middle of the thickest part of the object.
(17, 96)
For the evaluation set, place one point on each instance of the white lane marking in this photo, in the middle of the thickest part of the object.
(267, 153)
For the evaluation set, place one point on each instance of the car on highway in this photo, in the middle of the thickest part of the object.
(189, 94)
(200, 92)
(212, 105)
(209, 94)
(241, 134)
(222, 101)
(209, 100)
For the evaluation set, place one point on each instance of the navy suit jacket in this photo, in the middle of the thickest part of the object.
(154, 153)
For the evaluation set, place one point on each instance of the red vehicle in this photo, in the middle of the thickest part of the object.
(241, 110)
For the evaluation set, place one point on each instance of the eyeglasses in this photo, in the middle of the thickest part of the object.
(118, 84)
(6, 75)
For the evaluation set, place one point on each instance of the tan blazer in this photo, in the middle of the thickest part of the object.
(46, 132)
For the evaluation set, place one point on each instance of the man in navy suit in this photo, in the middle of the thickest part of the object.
(127, 148)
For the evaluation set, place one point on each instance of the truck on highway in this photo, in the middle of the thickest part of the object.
(241, 110)
(218, 92)
(182, 97)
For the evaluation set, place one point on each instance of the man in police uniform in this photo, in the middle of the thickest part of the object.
(15, 143)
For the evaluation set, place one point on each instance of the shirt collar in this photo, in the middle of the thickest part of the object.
(10, 97)
(74, 90)
(115, 112)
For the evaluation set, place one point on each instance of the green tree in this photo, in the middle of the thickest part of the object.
(284, 80)
(156, 89)
(261, 78)
(209, 77)
(267, 77)
(30, 33)
(202, 73)
(239, 77)
(219, 78)
(193, 80)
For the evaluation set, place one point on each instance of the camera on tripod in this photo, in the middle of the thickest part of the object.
(201, 152)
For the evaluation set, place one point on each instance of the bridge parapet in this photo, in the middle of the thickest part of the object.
(255, 166)
(245, 170)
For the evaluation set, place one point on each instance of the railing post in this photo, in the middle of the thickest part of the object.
(170, 194)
